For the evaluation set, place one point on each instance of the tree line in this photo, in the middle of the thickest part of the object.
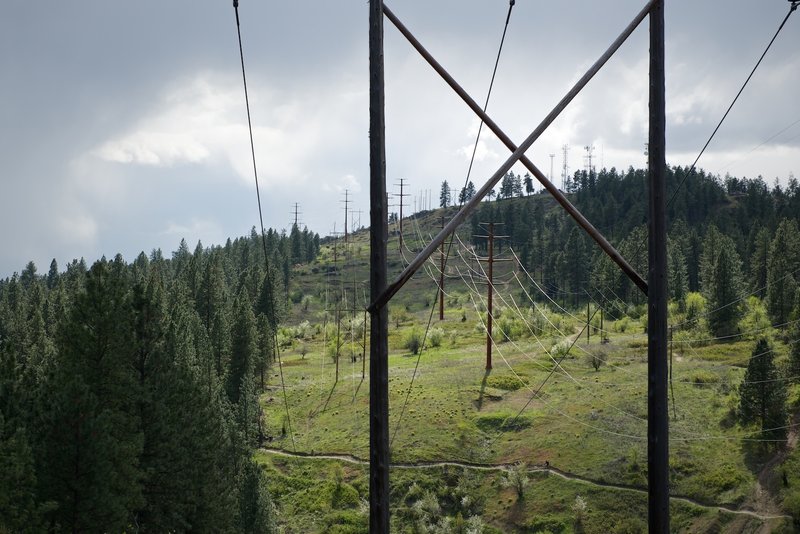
(726, 238)
(129, 391)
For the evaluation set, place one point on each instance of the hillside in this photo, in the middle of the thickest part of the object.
(238, 381)
(568, 436)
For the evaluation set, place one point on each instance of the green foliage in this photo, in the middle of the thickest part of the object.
(755, 318)
(701, 377)
(507, 381)
(762, 394)
(413, 341)
(723, 284)
(435, 337)
(782, 264)
(502, 421)
(516, 477)
(596, 359)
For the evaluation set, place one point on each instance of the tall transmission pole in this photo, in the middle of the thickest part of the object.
(296, 214)
(346, 204)
(402, 196)
(552, 157)
(588, 158)
(565, 171)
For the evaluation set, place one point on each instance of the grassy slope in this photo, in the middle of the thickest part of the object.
(590, 423)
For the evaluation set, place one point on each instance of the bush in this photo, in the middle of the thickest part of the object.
(517, 477)
(413, 341)
(435, 337)
(597, 359)
(507, 382)
(701, 376)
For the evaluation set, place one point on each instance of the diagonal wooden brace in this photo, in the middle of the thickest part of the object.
(518, 154)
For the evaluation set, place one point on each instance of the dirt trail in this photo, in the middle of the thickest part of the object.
(547, 468)
(762, 499)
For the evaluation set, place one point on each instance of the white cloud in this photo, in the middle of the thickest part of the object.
(195, 229)
(78, 229)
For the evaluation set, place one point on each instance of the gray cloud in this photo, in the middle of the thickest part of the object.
(122, 125)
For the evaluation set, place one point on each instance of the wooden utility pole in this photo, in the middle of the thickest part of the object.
(588, 322)
(378, 278)
(338, 337)
(441, 279)
(346, 203)
(402, 195)
(490, 260)
(657, 401)
(490, 286)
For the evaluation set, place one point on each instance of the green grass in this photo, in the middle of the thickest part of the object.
(590, 423)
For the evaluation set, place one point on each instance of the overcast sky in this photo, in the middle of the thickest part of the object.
(123, 126)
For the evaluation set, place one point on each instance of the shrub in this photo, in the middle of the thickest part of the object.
(413, 341)
(517, 477)
(597, 359)
(507, 382)
(435, 337)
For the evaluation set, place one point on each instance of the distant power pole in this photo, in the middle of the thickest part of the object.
(589, 151)
(346, 203)
(565, 172)
(353, 224)
(490, 291)
(552, 157)
(296, 213)
(441, 279)
(402, 196)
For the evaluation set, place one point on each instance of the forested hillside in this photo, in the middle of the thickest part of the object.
(129, 391)
(726, 237)
(135, 396)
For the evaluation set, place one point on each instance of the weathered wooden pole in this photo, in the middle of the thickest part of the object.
(378, 278)
(657, 401)
(441, 279)
(490, 296)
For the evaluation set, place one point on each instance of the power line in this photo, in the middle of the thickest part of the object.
(466, 182)
(261, 219)
(792, 9)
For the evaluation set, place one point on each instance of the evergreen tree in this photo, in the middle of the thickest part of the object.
(52, 275)
(782, 265)
(90, 438)
(763, 394)
(243, 347)
(794, 335)
(444, 195)
(256, 515)
(516, 185)
(507, 186)
(723, 287)
(676, 267)
(19, 509)
(528, 184)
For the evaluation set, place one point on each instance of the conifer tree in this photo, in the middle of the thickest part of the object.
(444, 195)
(52, 275)
(763, 394)
(243, 347)
(782, 265)
(90, 438)
(723, 288)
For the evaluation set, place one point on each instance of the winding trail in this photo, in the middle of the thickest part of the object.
(538, 468)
